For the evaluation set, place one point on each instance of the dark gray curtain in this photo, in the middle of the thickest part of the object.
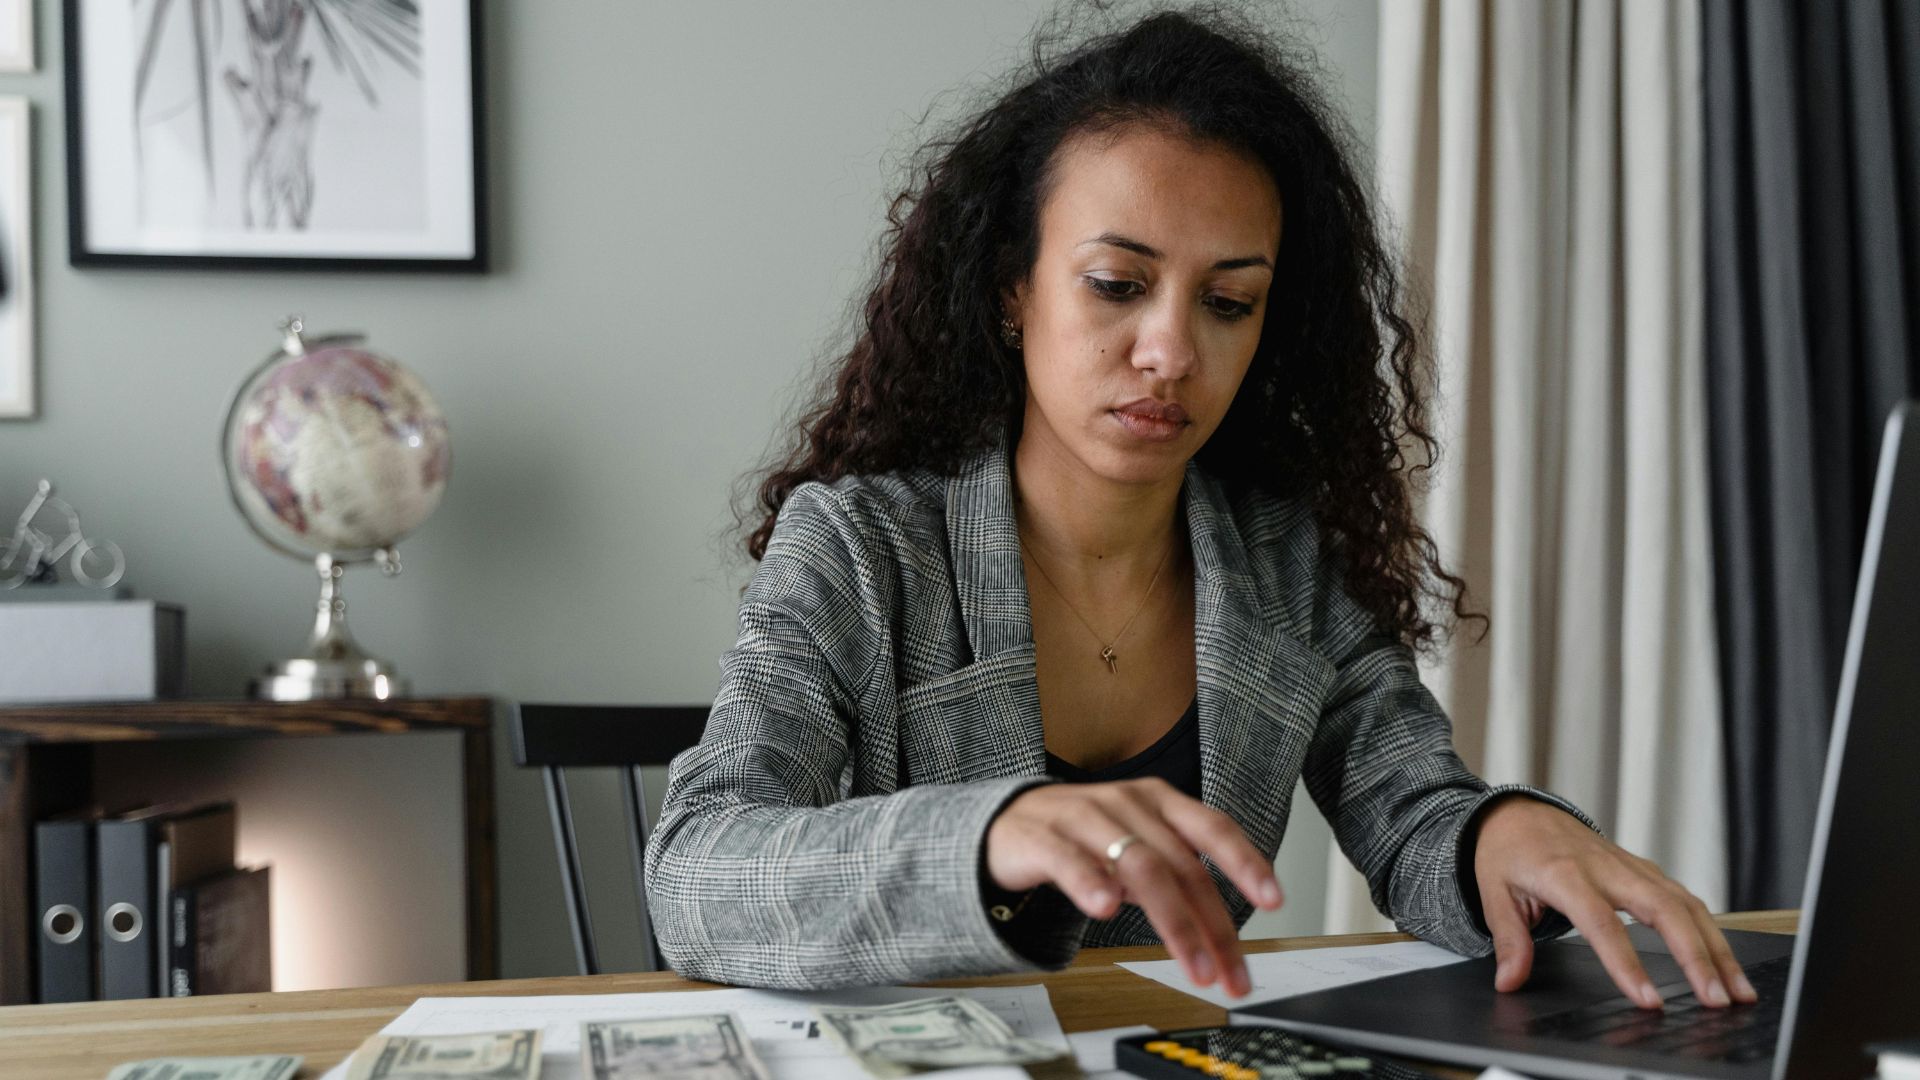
(1812, 163)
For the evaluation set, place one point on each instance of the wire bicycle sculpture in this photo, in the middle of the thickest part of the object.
(49, 531)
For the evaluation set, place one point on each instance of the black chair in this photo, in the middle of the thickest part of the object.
(556, 737)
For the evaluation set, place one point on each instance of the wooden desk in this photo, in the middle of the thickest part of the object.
(81, 1042)
(46, 768)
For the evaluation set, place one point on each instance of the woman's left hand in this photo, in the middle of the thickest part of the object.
(1530, 855)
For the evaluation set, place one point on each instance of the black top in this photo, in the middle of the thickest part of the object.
(1175, 758)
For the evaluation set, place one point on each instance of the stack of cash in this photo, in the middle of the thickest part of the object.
(933, 1033)
(494, 1055)
(258, 1067)
(713, 1047)
(887, 1040)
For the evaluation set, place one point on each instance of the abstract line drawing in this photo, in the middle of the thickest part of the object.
(276, 134)
(272, 94)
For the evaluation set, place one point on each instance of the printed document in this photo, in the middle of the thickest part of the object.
(1302, 971)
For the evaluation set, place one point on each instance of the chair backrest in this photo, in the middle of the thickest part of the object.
(627, 737)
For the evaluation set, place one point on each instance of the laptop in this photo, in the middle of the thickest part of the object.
(1849, 978)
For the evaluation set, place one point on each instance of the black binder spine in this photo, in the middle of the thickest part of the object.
(125, 919)
(63, 906)
(181, 976)
(162, 936)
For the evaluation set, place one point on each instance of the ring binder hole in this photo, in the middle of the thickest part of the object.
(63, 924)
(123, 922)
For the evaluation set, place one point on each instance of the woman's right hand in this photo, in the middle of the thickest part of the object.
(1057, 834)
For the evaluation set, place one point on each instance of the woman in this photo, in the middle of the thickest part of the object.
(1110, 491)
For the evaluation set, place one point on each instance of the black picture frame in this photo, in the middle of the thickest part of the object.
(84, 253)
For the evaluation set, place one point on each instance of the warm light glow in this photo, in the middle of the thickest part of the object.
(364, 834)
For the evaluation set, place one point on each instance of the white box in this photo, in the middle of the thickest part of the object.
(91, 650)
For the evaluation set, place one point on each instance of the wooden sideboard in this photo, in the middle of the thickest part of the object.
(46, 767)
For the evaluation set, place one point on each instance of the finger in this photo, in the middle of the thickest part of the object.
(1221, 838)
(1512, 941)
(1158, 874)
(1151, 883)
(1140, 814)
(1719, 953)
(1139, 808)
(1149, 879)
(1659, 904)
(1222, 936)
(1595, 919)
(1728, 964)
(1075, 872)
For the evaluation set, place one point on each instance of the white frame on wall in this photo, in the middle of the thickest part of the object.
(16, 228)
(16, 28)
(102, 45)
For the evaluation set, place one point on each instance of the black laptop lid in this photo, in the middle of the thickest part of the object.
(1857, 960)
(1856, 976)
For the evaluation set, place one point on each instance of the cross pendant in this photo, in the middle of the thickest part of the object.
(1112, 659)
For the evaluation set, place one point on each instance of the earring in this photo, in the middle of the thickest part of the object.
(1008, 332)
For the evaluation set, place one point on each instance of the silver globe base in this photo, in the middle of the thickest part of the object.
(334, 666)
(303, 679)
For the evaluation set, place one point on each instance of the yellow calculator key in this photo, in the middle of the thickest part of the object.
(1246, 1052)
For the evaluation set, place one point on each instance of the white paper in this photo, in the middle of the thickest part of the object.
(1094, 1049)
(1498, 1073)
(1302, 971)
(781, 1023)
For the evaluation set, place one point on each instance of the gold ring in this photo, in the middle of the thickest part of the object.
(1117, 848)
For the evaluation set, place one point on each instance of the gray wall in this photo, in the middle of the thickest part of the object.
(685, 199)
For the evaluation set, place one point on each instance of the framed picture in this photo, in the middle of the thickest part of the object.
(16, 261)
(16, 35)
(297, 134)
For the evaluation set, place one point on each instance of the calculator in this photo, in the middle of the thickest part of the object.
(1247, 1052)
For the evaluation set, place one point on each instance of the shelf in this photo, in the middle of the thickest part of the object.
(135, 721)
(45, 758)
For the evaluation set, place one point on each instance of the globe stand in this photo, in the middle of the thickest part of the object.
(334, 665)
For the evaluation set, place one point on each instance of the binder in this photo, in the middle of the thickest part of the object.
(221, 937)
(195, 845)
(127, 903)
(63, 908)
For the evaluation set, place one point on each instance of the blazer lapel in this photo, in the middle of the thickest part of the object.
(983, 543)
(1260, 688)
(990, 706)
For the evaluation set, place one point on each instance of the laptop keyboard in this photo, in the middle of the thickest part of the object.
(1736, 1034)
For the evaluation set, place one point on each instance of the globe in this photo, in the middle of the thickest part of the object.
(332, 449)
(332, 454)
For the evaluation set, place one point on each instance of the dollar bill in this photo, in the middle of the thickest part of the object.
(493, 1055)
(713, 1047)
(258, 1067)
(932, 1033)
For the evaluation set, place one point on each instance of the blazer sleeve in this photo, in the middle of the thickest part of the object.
(1384, 772)
(758, 873)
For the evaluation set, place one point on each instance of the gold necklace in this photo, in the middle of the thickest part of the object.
(1107, 654)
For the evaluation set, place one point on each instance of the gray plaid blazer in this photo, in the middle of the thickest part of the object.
(880, 706)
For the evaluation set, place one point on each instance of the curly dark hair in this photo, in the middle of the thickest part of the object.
(1335, 398)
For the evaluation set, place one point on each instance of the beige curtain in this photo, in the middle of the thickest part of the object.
(1540, 162)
